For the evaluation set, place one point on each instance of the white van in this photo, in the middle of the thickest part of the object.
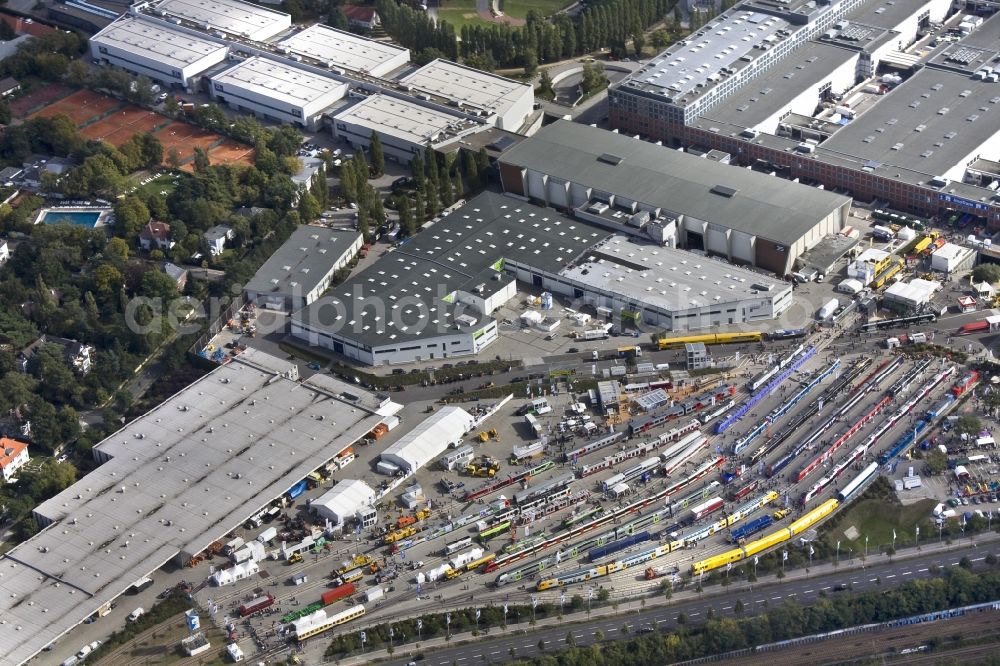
(136, 614)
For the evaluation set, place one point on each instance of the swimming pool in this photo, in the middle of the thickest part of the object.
(83, 218)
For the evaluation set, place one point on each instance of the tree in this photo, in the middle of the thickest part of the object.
(967, 424)
(986, 273)
(936, 460)
(117, 250)
(171, 106)
(407, 224)
(738, 607)
(337, 19)
(378, 157)
(603, 595)
(130, 215)
(201, 162)
(529, 60)
(545, 89)
(309, 208)
(107, 279)
(659, 39)
(174, 159)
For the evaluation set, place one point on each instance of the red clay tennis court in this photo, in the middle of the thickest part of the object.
(24, 105)
(80, 107)
(184, 139)
(118, 127)
(231, 152)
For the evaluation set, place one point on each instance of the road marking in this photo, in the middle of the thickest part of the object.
(922, 570)
(611, 630)
(872, 580)
(693, 614)
(577, 635)
(495, 652)
(660, 621)
(824, 588)
(890, 575)
(907, 573)
(760, 601)
(977, 559)
(775, 598)
(726, 607)
(809, 591)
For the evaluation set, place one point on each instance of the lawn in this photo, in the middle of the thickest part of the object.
(519, 8)
(461, 13)
(876, 519)
(163, 183)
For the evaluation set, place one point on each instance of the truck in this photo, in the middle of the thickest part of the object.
(297, 489)
(232, 546)
(593, 334)
(255, 605)
(140, 585)
(267, 535)
(828, 309)
(911, 482)
(373, 594)
(337, 593)
(523, 453)
(665, 570)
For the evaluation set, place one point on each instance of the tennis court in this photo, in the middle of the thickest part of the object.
(24, 105)
(118, 127)
(81, 107)
(231, 152)
(184, 139)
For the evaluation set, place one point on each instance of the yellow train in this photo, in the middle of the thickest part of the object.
(710, 339)
(769, 541)
(883, 278)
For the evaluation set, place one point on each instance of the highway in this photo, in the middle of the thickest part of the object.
(804, 590)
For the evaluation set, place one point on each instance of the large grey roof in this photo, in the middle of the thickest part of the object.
(929, 124)
(179, 477)
(458, 252)
(302, 261)
(764, 96)
(674, 181)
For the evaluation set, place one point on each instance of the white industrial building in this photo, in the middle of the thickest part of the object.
(429, 439)
(302, 268)
(670, 289)
(510, 102)
(278, 91)
(345, 50)
(950, 258)
(911, 295)
(169, 56)
(344, 501)
(171, 483)
(405, 128)
(230, 17)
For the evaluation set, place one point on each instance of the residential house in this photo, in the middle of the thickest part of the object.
(178, 274)
(36, 165)
(155, 235)
(78, 356)
(13, 456)
(10, 174)
(365, 18)
(9, 86)
(215, 239)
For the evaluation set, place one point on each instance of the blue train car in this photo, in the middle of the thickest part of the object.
(752, 527)
(603, 551)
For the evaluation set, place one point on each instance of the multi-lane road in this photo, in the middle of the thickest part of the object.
(826, 580)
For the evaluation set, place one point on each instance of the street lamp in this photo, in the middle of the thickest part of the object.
(838, 553)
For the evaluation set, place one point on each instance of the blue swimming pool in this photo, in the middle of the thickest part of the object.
(84, 218)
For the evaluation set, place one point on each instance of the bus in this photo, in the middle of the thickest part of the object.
(629, 351)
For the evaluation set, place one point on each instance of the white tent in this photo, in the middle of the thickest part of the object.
(235, 573)
(985, 289)
(343, 501)
(429, 439)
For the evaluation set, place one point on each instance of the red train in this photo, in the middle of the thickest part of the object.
(255, 605)
(965, 383)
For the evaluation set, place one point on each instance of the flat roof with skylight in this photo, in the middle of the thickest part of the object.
(930, 123)
(173, 48)
(347, 50)
(279, 82)
(668, 279)
(457, 251)
(472, 87)
(303, 261)
(403, 119)
(231, 16)
(173, 481)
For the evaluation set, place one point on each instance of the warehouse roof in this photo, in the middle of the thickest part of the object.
(173, 481)
(471, 87)
(930, 123)
(740, 199)
(282, 83)
(232, 16)
(345, 49)
(666, 278)
(771, 92)
(174, 48)
(405, 120)
(344, 499)
(430, 438)
(459, 251)
(303, 261)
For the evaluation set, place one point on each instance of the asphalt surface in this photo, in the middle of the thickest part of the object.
(497, 649)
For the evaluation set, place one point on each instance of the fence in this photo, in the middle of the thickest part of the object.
(214, 327)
